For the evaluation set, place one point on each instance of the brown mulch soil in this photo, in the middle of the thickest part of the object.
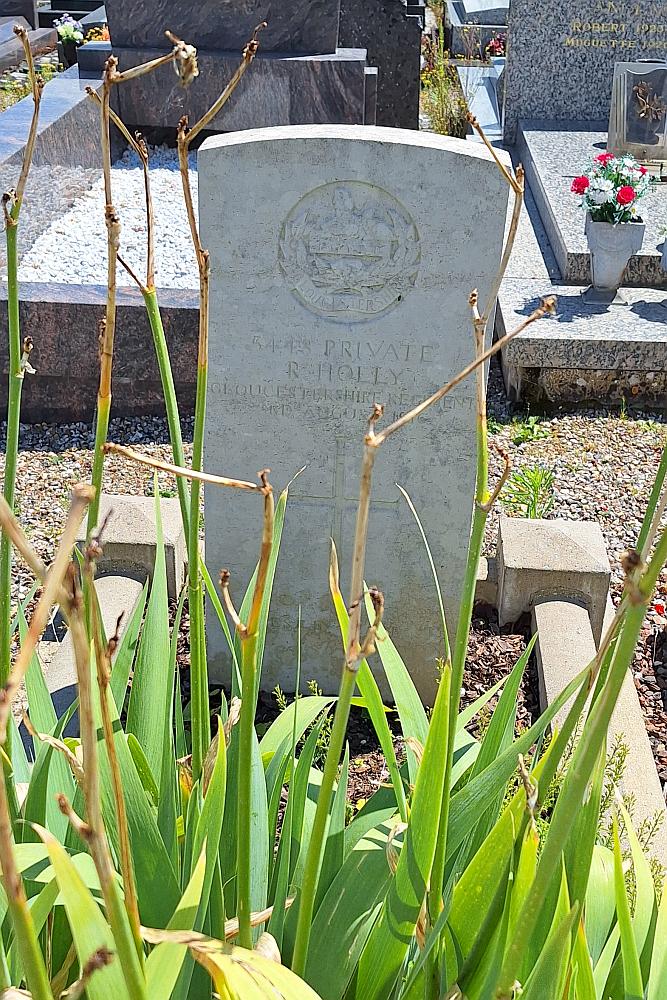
(492, 653)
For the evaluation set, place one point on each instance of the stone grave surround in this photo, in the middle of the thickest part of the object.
(342, 260)
(560, 56)
(299, 76)
(392, 37)
(477, 18)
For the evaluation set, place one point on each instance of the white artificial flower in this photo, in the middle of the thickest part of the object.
(599, 197)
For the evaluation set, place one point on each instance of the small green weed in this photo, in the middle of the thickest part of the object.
(530, 429)
(529, 492)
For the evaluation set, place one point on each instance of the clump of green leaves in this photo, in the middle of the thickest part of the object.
(530, 492)
(530, 429)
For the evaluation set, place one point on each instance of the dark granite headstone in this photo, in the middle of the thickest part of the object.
(561, 56)
(392, 37)
(20, 8)
(307, 26)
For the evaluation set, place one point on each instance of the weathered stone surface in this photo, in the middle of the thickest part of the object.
(347, 286)
(226, 25)
(392, 38)
(130, 538)
(116, 595)
(552, 153)
(19, 9)
(560, 60)
(542, 560)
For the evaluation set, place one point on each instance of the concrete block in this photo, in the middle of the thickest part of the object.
(541, 560)
(130, 538)
(116, 595)
(565, 646)
(486, 589)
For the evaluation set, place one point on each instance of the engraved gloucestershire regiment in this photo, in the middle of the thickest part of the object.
(349, 250)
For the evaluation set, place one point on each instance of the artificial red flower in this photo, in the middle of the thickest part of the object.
(659, 608)
(626, 195)
(580, 185)
(643, 171)
(604, 158)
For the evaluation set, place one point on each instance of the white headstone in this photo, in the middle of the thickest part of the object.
(342, 258)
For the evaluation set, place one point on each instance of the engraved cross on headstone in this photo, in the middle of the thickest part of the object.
(337, 497)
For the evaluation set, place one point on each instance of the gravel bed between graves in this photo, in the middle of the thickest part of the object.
(604, 466)
(82, 260)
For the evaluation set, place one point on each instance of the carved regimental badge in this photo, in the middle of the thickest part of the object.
(350, 251)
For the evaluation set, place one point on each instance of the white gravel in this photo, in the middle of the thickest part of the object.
(73, 249)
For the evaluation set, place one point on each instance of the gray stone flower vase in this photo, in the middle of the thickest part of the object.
(611, 248)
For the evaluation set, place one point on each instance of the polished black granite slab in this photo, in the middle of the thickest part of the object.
(276, 90)
(20, 8)
(68, 130)
(307, 26)
(392, 38)
(63, 321)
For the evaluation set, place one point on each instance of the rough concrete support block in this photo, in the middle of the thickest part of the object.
(115, 594)
(486, 590)
(565, 646)
(130, 538)
(543, 560)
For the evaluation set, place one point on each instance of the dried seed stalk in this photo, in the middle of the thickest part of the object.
(372, 441)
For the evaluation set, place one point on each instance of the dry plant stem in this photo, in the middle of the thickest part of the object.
(103, 664)
(547, 308)
(94, 832)
(353, 657)
(81, 497)
(248, 635)
(32, 959)
(136, 71)
(372, 442)
(155, 319)
(111, 77)
(174, 470)
(249, 53)
(14, 532)
(108, 327)
(12, 202)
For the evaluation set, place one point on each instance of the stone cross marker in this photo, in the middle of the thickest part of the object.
(342, 259)
(560, 56)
